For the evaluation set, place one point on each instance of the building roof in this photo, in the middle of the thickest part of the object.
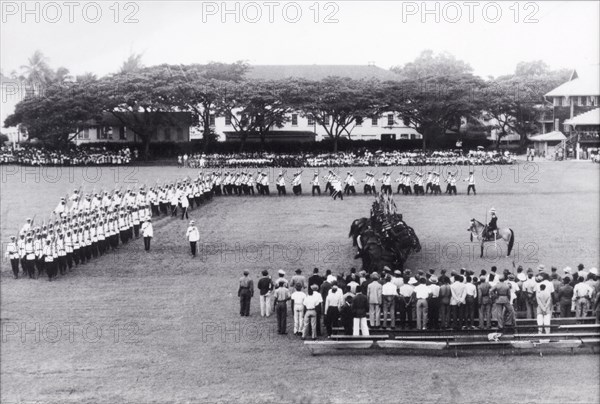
(587, 118)
(318, 72)
(549, 137)
(585, 81)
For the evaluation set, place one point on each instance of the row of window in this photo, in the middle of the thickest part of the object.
(582, 101)
(106, 133)
(103, 132)
(311, 120)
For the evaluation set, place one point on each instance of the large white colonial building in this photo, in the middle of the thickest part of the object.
(387, 126)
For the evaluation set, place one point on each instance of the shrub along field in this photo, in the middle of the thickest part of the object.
(163, 327)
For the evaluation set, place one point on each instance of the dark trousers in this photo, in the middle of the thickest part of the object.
(350, 190)
(184, 212)
(331, 319)
(193, 247)
(319, 311)
(406, 312)
(444, 314)
(471, 187)
(70, 260)
(62, 264)
(565, 309)
(14, 263)
(136, 230)
(76, 256)
(317, 189)
(434, 313)
(50, 267)
(281, 311)
(470, 311)
(457, 316)
(245, 302)
(30, 265)
(428, 188)
(147, 243)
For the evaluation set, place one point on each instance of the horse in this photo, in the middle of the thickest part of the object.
(479, 230)
(357, 227)
(393, 253)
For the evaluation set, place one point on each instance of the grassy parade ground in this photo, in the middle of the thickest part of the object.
(162, 327)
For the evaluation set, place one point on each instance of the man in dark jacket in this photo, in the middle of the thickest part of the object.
(565, 298)
(346, 315)
(360, 306)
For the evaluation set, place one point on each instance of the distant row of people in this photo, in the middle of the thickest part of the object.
(40, 156)
(345, 159)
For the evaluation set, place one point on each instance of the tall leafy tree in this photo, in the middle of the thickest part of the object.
(255, 107)
(335, 103)
(138, 100)
(58, 115)
(517, 102)
(436, 92)
(199, 89)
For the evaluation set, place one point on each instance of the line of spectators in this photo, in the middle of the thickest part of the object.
(346, 159)
(40, 156)
(459, 300)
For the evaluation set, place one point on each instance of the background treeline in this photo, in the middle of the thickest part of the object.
(431, 94)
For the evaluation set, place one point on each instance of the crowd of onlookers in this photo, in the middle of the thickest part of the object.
(423, 300)
(40, 156)
(346, 159)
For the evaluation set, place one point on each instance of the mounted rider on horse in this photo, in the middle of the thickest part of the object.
(491, 232)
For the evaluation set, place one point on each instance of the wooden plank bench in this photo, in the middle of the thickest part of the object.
(418, 345)
(580, 327)
(324, 346)
(338, 337)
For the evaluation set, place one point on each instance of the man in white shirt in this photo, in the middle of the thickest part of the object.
(529, 288)
(422, 293)
(298, 305)
(457, 302)
(193, 236)
(471, 300)
(333, 303)
(311, 302)
(147, 233)
(406, 300)
(389, 293)
(434, 303)
(582, 295)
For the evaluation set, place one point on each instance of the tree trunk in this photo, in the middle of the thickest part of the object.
(206, 133)
(146, 141)
(335, 144)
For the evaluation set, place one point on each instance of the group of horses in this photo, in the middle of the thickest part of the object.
(385, 240)
(378, 248)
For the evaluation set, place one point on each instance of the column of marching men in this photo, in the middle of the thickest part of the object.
(86, 226)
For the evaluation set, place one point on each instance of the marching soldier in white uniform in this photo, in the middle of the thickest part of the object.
(315, 184)
(471, 181)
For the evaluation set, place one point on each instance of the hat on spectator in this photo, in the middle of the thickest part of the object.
(314, 287)
(298, 271)
(412, 281)
(567, 270)
(594, 271)
(281, 272)
(433, 279)
(580, 267)
(397, 272)
(521, 276)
